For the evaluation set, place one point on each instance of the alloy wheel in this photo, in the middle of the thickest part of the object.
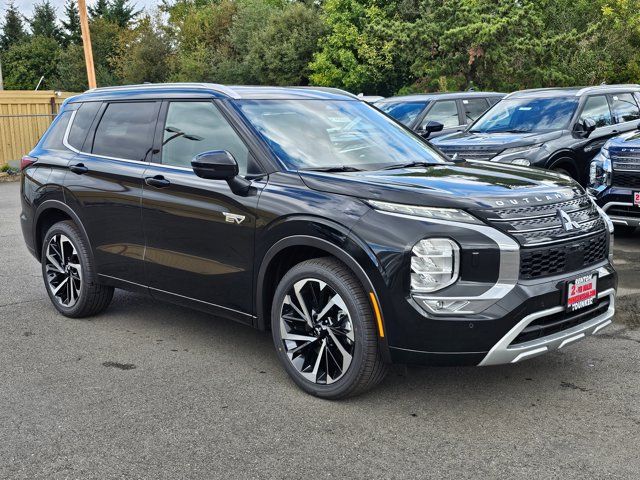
(317, 331)
(63, 270)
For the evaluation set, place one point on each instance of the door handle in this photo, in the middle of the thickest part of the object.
(79, 168)
(158, 181)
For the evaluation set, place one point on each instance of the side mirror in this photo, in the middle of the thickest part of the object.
(215, 165)
(585, 127)
(431, 127)
(220, 165)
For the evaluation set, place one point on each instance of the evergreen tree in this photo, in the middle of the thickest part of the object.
(43, 23)
(99, 10)
(121, 12)
(71, 25)
(12, 28)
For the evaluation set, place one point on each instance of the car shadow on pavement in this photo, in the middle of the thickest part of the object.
(181, 329)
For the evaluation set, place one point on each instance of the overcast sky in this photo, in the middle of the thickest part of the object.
(26, 6)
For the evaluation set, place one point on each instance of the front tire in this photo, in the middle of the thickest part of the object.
(69, 274)
(324, 331)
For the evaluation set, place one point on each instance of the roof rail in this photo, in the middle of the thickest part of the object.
(208, 86)
(602, 86)
(338, 91)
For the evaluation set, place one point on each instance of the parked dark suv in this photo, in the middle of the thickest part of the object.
(615, 180)
(308, 212)
(561, 129)
(454, 111)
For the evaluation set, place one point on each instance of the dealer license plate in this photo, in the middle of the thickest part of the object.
(582, 292)
(636, 199)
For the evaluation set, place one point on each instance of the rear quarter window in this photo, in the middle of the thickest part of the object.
(82, 123)
(54, 138)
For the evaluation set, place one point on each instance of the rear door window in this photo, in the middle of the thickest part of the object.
(126, 130)
(624, 107)
(597, 109)
(472, 108)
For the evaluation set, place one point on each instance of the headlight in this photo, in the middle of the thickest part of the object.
(514, 155)
(451, 214)
(435, 263)
(600, 170)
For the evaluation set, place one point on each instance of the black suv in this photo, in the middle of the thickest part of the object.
(614, 180)
(423, 113)
(310, 213)
(561, 129)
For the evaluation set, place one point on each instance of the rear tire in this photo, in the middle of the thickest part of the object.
(69, 273)
(324, 330)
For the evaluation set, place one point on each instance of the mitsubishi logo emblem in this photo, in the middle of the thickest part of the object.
(567, 223)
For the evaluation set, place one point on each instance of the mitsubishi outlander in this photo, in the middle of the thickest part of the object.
(309, 213)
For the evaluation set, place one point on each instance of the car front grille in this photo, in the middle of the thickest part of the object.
(626, 179)
(560, 321)
(625, 160)
(470, 153)
(549, 246)
(566, 257)
(534, 225)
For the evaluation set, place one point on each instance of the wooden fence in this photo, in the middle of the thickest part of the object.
(24, 117)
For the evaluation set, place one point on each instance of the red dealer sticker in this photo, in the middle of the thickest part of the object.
(582, 292)
(636, 199)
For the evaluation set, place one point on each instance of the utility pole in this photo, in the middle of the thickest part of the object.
(86, 42)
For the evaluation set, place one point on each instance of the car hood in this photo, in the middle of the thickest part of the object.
(457, 185)
(626, 140)
(503, 140)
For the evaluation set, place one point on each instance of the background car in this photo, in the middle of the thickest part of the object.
(614, 180)
(561, 129)
(453, 110)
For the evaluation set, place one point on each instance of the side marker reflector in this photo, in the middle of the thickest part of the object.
(376, 312)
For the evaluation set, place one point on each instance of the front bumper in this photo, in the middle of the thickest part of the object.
(494, 337)
(617, 203)
(506, 351)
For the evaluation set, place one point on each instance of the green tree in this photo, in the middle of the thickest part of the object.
(143, 53)
(99, 10)
(12, 28)
(24, 63)
(121, 12)
(71, 24)
(360, 52)
(43, 23)
(281, 51)
(71, 71)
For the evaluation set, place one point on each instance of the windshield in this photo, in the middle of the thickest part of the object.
(322, 134)
(523, 115)
(404, 112)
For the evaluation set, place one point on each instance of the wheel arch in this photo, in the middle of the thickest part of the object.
(564, 158)
(48, 213)
(316, 247)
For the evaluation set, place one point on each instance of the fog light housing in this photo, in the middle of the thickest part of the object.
(521, 161)
(435, 263)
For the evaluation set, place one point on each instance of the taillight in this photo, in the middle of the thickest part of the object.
(27, 161)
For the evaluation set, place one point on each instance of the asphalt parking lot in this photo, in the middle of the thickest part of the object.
(151, 390)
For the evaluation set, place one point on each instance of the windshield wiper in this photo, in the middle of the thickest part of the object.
(335, 168)
(411, 164)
